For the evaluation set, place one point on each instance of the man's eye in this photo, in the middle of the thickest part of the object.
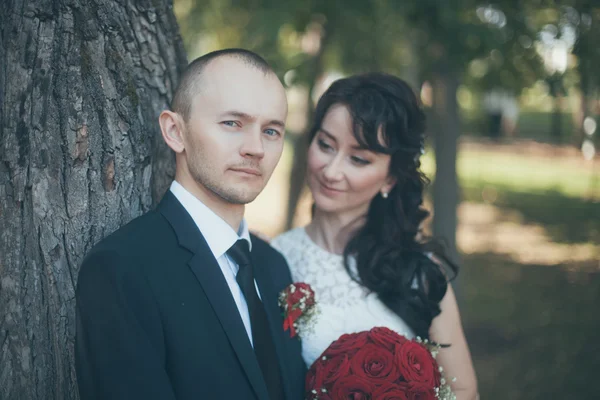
(230, 123)
(271, 132)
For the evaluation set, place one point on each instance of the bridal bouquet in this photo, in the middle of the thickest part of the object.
(379, 364)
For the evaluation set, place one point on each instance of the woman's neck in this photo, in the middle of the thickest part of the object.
(333, 231)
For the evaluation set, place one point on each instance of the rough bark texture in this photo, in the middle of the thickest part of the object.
(81, 86)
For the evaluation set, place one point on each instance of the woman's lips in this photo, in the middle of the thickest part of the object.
(328, 189)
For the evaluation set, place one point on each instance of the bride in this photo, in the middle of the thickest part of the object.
(363, 253)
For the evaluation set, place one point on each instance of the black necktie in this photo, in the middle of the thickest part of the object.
(264, 347)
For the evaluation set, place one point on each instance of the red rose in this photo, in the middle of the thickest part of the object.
(417, 365)
(347, 344)
(302, 290)
(295, 297)
(391, 392)
(375, 363)
(297, 300)
(308, 291)
(335, 368)
(386, 337)
(314, 377)
(303, 286)
(352, 387)
(319, 396)
(420, 392)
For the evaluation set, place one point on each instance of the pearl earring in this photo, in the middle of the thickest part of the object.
(384, 195)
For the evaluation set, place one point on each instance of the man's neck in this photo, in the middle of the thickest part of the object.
(230, 213)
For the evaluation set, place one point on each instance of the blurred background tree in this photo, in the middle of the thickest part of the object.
(512, 99)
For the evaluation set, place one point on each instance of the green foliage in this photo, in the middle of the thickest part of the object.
(375, 35)
(489, 45)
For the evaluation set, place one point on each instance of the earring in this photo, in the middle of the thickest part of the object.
(384, 195)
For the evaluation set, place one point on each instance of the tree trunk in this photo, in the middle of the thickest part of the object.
(446, 133)
(556, 121)
(81, 86)
(587, 84)
(587, 54)
(298, 171)
(556, 91)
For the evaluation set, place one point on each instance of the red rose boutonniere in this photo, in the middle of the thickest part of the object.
(299, 307)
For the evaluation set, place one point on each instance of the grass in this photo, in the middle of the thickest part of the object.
(535, 125)
(520, 173)
(565, 219)
(532, 329)
(563, 195)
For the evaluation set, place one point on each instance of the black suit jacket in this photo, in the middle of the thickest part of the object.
(156, 319)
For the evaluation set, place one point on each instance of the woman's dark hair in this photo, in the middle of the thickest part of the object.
(390, 250)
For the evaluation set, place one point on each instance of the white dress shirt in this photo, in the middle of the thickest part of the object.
(220, 237)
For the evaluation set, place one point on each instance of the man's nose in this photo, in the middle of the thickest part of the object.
(252, 145)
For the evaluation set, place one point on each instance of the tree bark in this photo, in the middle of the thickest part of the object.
(81, 87)
(445, 143)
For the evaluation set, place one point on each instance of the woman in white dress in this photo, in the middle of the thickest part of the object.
(364, 253)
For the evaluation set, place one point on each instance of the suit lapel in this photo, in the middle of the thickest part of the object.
(269, 296)
(206, 269)
(209, 274)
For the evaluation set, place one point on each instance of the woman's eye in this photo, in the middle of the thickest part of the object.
(323, 145)
(360, 161)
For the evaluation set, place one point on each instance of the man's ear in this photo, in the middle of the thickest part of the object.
(172, 128)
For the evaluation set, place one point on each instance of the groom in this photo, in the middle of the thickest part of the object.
(181, 303)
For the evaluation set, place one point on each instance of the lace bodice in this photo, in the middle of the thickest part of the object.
(344, 305)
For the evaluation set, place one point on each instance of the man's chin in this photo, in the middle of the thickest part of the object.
(241, 198)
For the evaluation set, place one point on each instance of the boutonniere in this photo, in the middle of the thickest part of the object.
(299, 307)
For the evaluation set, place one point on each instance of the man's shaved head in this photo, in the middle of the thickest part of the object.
(227, 126)
(191, 79)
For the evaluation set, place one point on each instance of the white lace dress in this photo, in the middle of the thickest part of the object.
(344, 305)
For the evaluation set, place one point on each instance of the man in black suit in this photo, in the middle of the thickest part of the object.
(181, 303)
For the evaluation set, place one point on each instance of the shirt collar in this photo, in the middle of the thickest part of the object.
(219, 235)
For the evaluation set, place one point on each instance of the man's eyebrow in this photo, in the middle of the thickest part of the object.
(246, 116)
(277, 122)
(238, 114)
